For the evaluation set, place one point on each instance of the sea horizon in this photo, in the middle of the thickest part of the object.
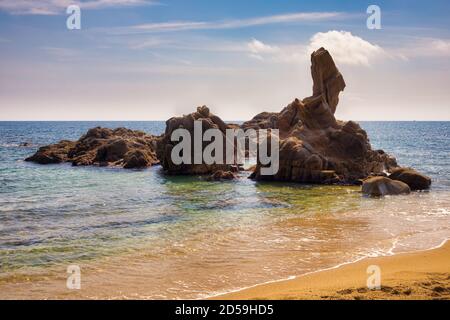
(227, 121)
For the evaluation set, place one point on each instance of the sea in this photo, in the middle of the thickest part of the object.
(140, 234)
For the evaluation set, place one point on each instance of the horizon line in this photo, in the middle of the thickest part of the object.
(158, 120)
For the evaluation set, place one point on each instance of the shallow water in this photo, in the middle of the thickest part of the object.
(140, 234)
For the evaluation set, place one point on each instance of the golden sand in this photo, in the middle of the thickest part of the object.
(418, 275)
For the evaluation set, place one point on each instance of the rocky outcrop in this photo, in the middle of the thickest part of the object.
(382, 186)
(102, 147)
(328, 81)
(55, 153)
(414, 179)
(314, 146)
(165, 144)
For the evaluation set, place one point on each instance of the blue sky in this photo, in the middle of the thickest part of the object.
(145, 60)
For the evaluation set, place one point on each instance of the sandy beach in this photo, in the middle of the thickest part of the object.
(418, 275)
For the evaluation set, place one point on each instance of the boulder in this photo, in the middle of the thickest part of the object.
(382, 186)
(414, 179)
(103, 147)
(165, 144)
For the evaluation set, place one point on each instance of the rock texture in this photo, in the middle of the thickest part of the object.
(414, 179)
(222, 175)
(314, 146)
(263, 120)
(165, 145)
(55, 153)
(382, 186)
(102, 147)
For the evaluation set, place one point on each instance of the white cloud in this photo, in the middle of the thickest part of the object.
(426, 47)
(171, 26)
(343, 46)
(240, 23)
(440, 46)
(53, 7)
(257, 49)
(256, 46)
(346, 48)
(276, 53)
(423, 47)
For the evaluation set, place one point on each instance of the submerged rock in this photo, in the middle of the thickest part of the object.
(103, 147)
(382, 186)
(222, 175)
(414, 179)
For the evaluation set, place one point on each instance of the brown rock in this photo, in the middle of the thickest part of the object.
(327, 79)
(56, 153)
(381, 186)
(138, 158)
(222, 175)
(264, 120)
(314, 146)
(165, 145)
(414, 179)
(103, 147)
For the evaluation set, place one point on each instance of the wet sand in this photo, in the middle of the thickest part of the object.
(418, 275)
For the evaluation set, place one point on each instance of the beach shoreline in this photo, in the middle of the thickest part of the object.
(420, 275)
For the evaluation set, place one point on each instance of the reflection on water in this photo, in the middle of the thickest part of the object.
(140, 234)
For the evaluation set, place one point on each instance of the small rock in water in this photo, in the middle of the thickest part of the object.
(382, 186)
(414, 179)
(25, 144)
(222, 175)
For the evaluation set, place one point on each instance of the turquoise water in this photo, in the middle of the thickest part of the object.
(184, 237)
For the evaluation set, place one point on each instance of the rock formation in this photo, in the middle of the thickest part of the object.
(414, 179)
(102, 147)
(382, 186)
(314, 146)
(165, 145)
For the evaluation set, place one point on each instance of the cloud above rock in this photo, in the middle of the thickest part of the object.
(346, 48)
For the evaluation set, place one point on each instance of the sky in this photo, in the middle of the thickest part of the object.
(155, 59)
